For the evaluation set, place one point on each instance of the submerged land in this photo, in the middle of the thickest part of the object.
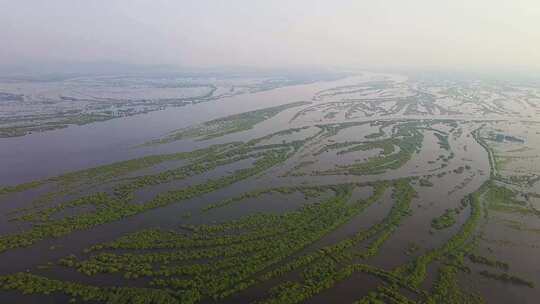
(364, 188)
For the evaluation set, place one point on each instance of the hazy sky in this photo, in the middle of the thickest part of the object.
(440, 33)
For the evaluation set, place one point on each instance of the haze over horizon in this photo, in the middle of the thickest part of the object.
(422, 34)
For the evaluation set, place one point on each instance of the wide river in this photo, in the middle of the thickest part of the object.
(51, 153)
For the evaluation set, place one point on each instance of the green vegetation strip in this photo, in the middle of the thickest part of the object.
(113, 207)
(227, 125)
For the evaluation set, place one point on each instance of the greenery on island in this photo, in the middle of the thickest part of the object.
(502, 199)
(478, 259)
(295, 255)
(376, 134)
(446, 220)
(227, 125)
(241, 255)
(236, 258)
(406, 137)
(425, 182)
(443, 141)
(108, 207)
(507, 278)
(60, 123)
(34, 284)
(416, 270)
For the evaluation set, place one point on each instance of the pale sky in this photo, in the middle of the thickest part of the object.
(274, 33)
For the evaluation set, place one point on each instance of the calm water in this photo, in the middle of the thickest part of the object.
(51, 153)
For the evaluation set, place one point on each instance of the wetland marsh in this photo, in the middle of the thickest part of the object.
(364, 188)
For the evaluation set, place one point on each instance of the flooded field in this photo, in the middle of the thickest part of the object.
(372, 188)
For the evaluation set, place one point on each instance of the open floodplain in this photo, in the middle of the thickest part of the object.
(369, 188)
